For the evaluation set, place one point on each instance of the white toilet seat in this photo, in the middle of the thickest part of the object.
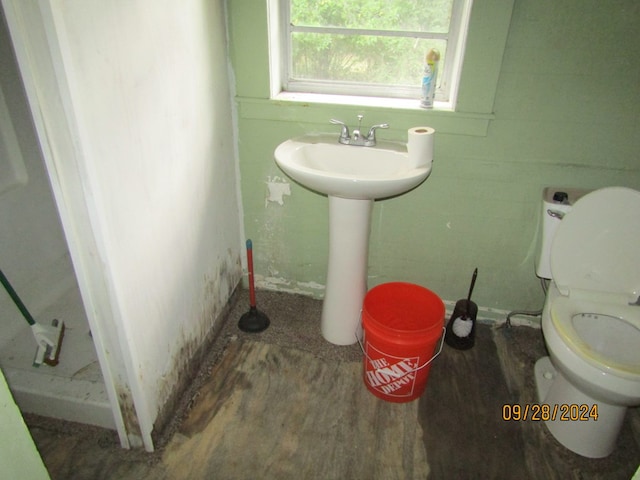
(595, 247)
(575, 320)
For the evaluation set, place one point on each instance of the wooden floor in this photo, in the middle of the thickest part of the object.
(286, 404)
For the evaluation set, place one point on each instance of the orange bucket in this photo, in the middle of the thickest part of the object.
(403, 324)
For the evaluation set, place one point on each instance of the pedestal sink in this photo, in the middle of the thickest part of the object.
(352, 177)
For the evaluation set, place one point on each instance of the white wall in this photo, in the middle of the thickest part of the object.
(144, 171)
(150, 94)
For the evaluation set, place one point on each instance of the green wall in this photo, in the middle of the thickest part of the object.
(556, 105)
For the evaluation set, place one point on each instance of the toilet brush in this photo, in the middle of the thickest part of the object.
(461, 329)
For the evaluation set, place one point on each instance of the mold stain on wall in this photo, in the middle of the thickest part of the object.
(129, 416)
(216, 293)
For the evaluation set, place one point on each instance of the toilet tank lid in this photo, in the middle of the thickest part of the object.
(597, 244)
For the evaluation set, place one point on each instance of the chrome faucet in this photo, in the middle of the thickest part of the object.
(358, 139)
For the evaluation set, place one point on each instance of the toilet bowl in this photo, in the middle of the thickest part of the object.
(591, 322)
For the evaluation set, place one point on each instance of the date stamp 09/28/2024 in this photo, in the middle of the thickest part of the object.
(543, 412)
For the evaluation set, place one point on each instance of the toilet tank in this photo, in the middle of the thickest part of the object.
(556, 202)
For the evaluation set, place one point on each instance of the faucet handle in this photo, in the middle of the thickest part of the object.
(344, 133)
(372, 131)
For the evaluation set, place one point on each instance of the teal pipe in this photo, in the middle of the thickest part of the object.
(16, 299)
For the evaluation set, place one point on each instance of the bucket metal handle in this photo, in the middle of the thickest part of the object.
(444, 330)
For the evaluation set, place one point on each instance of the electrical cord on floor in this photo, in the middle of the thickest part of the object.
(531, 313)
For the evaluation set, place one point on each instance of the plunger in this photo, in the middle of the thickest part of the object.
(254, 321)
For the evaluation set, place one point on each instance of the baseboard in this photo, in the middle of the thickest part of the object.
(498, 316)
(67, 399)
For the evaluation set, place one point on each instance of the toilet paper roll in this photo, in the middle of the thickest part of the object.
(420, 146)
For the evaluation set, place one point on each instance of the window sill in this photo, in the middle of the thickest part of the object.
(359, 101)
(401, 114)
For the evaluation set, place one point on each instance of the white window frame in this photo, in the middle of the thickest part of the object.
(282, 87)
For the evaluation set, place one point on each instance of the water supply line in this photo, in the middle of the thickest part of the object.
(531, 313)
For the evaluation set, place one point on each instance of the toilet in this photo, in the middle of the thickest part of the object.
(590, 250)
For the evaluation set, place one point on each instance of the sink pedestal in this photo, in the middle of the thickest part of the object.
(346, 286)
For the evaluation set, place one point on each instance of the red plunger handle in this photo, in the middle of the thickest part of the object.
(252, 289)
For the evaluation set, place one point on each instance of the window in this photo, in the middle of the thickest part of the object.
(368, 48)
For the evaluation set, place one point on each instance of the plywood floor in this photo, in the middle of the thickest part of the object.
(339, 430)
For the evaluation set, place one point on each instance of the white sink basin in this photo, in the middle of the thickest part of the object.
(320, 163)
